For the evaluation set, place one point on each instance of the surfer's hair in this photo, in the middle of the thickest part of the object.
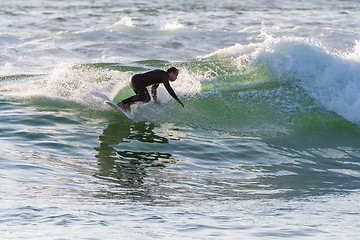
(173, 70)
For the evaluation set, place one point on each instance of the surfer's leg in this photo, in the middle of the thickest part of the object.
(124, 106)
(142, 95)
(136, 85)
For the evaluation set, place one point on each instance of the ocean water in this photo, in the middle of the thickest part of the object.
(266, 147)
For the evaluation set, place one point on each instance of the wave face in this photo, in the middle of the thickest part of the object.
(277, 86)
(330, 79)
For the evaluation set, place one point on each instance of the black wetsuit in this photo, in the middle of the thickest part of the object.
(139, 82)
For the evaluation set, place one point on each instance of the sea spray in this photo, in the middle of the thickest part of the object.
(124, 21)
(172, 25)
(330, 78)
(68, 82)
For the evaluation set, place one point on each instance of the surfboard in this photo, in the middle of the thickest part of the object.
(119, 109)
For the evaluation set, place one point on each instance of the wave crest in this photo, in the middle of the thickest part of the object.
(331, 78)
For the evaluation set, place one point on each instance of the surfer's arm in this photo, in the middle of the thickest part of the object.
(171, 92)
(154, 92)
(180, 103)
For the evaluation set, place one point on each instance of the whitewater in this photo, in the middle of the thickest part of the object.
(267, 145)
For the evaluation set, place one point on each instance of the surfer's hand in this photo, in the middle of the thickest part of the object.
(180, 103)
(156, 102)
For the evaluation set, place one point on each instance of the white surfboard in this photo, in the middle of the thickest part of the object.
(112, 104)
(119, 109)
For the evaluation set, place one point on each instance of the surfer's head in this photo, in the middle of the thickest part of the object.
(172, 73)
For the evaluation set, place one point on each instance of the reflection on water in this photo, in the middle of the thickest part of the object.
(137, 163)
(313, 164)
(132, 172)
(122, 130)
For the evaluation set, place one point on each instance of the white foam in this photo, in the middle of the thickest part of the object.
(124, 21)
(355, 53)
(172, 25)
(331, 78)
(186, 85)
(69, 83)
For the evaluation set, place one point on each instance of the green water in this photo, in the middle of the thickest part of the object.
(247, 155)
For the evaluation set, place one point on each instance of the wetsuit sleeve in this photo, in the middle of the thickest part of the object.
(170, 90)
(153, 91)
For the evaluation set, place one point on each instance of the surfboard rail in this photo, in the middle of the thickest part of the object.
(119, 109)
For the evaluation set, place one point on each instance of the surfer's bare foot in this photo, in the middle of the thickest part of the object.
(126, 107)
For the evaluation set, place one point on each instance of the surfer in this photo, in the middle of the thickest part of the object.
(139, 82)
